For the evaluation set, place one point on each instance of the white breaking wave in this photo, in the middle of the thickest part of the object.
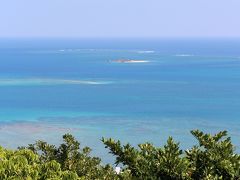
(137, 61)
(184, 55)
(128, 61)
(91, 50)
(69, 50)
(145, 52)
(38, 81)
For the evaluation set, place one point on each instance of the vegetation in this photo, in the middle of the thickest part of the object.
(213, 158)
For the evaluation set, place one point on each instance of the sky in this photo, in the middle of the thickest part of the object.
(119, 18)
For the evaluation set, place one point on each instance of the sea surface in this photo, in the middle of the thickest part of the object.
(49, 87)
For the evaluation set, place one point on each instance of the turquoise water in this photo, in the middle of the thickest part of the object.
(50, 87)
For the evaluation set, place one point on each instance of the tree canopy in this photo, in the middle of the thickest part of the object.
(213, 158)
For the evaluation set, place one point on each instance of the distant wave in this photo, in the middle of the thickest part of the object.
(72, 50)
(145, 52)
(166, 82)
(138, 61)
(38, 81)
(75, 50)
(128, 61)
(184, 55)
(69, 50)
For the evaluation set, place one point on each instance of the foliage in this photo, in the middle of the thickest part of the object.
(149, 162)
(25, 164)
(71, 158)
(213, 158)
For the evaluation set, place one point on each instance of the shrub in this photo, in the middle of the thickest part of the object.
(213, 158)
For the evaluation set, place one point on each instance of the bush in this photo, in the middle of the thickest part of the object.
(212, 158)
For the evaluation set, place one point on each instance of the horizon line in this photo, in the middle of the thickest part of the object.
(159, 37)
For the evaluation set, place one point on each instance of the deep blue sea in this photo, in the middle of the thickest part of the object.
(49, 87)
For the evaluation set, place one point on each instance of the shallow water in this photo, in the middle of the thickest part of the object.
(50, 87)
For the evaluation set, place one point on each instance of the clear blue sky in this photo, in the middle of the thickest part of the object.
(119, 18)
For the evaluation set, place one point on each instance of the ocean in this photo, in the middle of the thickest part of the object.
(49, 87)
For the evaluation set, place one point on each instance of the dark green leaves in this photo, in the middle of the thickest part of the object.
(213, 158)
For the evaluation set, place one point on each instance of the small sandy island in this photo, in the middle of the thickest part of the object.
(129, 61)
